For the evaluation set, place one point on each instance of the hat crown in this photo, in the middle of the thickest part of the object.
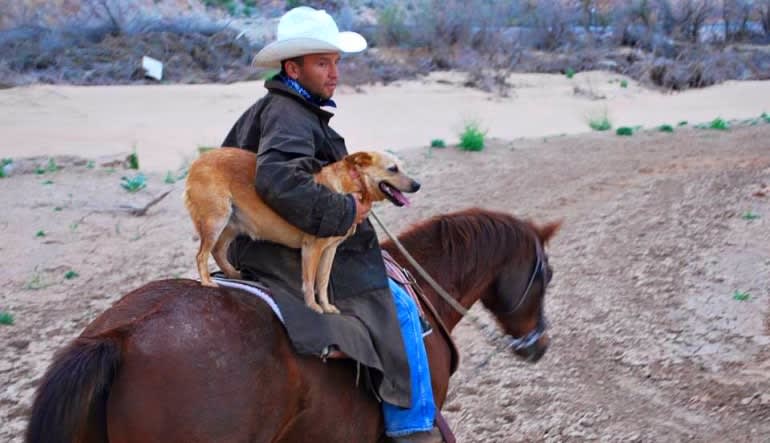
(307, 22)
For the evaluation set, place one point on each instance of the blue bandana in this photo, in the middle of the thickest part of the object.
(296, 87)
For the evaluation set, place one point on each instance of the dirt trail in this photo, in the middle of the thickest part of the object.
(649, 343)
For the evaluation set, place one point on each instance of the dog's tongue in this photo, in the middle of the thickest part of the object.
(400, 197)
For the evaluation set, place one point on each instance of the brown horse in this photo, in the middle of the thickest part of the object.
(174, 361)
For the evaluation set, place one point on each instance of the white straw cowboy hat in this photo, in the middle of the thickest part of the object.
(305, 30)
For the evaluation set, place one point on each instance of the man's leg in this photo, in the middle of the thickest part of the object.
(420, 416)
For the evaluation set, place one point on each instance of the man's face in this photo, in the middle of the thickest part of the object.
(317, 73)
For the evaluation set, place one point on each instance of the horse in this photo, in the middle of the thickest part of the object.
(175, 361)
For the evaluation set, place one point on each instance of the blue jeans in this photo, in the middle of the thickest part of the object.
(402, 421)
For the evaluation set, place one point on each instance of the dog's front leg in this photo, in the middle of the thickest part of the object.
(311, 255)
(322, 279)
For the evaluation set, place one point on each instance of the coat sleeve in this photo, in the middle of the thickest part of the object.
(285, 166)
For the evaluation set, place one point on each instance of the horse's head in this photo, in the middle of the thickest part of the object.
(517, 295)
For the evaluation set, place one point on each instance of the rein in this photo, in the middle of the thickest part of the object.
(496, 339)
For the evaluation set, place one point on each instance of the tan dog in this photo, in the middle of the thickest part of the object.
(222, 201)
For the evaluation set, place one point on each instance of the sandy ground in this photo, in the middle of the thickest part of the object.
(166, 123)
(661, 231)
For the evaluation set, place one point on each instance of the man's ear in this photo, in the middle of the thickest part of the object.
(292, 69)
(359, 159)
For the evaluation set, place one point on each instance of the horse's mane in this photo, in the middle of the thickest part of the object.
(472, 241)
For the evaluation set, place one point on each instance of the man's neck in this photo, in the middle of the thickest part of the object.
(304, 92)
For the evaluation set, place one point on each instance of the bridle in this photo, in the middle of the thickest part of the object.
(518, 344)
(534, 335)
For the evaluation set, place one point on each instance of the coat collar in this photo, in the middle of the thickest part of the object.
(278, 87)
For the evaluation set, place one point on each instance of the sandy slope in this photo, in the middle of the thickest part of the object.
(648, 342)
(166, 123)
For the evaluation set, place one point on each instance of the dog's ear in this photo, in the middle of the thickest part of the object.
(359, 159)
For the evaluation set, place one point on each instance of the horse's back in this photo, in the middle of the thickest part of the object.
(208, 364)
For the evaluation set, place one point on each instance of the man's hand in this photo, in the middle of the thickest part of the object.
(362, 208)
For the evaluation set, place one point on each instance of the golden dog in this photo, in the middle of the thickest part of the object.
(222, 202)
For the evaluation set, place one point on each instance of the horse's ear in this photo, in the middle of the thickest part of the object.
(545, 232)
(360, 159)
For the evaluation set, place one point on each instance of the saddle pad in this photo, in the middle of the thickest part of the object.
(251, 288)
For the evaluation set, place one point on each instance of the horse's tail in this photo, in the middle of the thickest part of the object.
(71, 400)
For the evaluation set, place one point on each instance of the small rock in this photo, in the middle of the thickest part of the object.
(19, 344)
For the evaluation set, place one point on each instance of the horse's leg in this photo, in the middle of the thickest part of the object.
(322, 278)
(220, 252)
(339, 407)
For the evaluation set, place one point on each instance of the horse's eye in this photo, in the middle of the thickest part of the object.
(393, 168)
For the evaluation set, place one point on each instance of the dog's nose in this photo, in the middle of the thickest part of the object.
(415, 186)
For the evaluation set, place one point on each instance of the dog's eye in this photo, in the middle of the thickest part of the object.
(393, 168)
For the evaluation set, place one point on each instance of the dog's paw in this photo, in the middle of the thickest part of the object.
(330, 309)
(316, 307)
(209, 283)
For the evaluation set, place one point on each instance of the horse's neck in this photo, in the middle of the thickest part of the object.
(445, 311)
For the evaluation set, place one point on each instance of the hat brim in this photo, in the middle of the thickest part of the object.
(271, 55)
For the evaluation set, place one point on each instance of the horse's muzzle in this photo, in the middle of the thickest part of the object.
(531, 347)
(534, 352)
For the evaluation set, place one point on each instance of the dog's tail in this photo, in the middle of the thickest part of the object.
(70, 404)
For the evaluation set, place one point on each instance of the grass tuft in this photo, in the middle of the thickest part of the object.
(6, 318)
(69, 275)
(135, 183)
(569, 72)
(472, 138)
(741, 296)
(718, 124)
(133, 160)
(666, 128)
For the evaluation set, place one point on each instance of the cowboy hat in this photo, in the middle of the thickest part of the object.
(304, 30)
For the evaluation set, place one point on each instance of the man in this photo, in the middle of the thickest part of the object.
(289, 131)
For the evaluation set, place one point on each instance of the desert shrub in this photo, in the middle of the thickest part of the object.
(391, 26)
(472, 137)
(600, 123)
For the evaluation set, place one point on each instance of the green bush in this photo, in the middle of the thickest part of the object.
(600, 124)
(624, 83)
(719, 124)
(569, 72)
(666, 128)
(624, 131)
(472, 138)
(437, 143)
